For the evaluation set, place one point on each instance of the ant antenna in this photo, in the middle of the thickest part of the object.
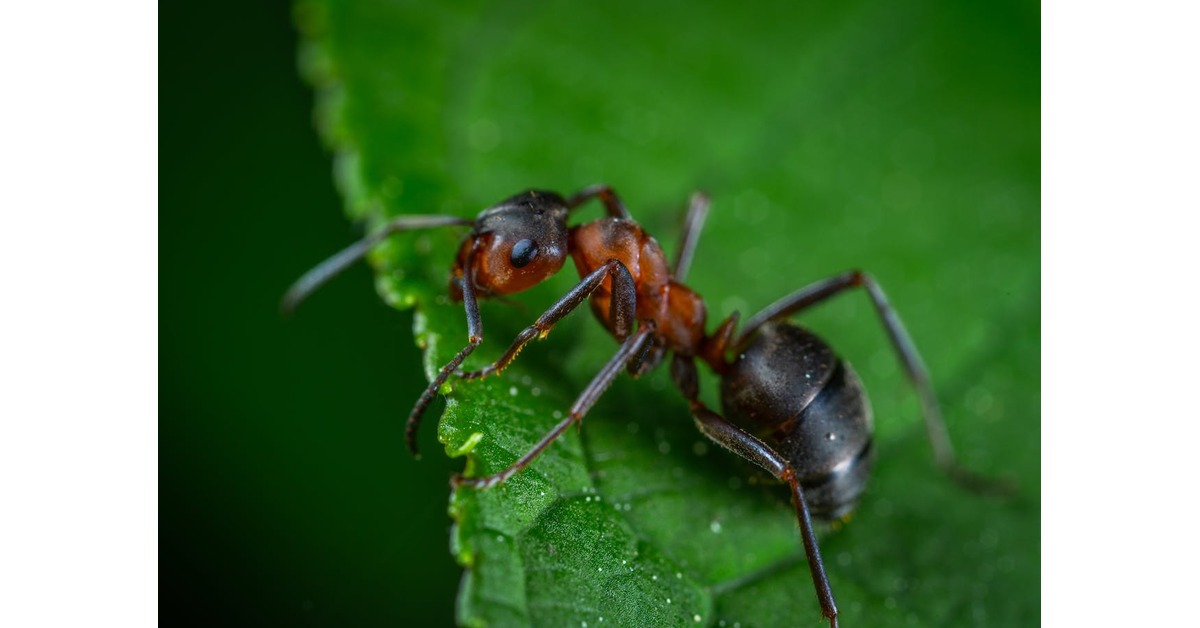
(340, 261)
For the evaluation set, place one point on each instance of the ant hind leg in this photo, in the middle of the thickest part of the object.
(906, 351)
(746, 445)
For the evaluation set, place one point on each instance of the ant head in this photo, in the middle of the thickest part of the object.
(516, 244)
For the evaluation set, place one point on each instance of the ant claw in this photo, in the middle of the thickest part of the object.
(458, 480)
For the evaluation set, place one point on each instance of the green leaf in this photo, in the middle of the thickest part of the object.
(902, 140)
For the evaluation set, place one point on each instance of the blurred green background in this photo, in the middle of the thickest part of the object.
(903, 140)
(286, 495)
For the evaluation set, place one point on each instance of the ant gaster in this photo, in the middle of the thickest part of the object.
(791, 405)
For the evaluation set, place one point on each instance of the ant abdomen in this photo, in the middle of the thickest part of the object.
(788, 387)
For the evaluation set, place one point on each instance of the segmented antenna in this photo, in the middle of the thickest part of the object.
(340, 261)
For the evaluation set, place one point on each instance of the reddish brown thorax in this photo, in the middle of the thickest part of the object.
(677, 311)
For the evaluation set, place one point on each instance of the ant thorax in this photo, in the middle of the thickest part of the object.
(678, 313)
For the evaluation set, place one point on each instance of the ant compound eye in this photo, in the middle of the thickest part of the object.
(523, 252)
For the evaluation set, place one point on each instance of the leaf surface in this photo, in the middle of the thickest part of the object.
(900, 140)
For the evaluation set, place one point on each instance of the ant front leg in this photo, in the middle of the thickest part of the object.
(746, 445)
(474, 338)
(906, 351)
(612, 203)
(621, 312)
(630, 350)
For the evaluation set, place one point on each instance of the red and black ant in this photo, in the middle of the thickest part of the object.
(791, 405)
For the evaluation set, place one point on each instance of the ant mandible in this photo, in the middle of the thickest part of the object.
(791, 405)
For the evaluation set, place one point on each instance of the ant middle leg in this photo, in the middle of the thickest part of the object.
(624, 302)
(630, 350)
(749, 447)
(906, 351)
(692, 223)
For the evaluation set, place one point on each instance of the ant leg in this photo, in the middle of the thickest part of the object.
(697, 212)
(906, 351)
(630, 349)
(608, 196)
(330, 268)
(474, 338)
(621, 312)
(744, 444)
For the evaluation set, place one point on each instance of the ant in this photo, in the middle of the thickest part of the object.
(791, 405)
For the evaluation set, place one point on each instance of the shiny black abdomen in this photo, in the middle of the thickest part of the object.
(789, 388)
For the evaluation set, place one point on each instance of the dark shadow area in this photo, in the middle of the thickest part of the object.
(286, 495)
